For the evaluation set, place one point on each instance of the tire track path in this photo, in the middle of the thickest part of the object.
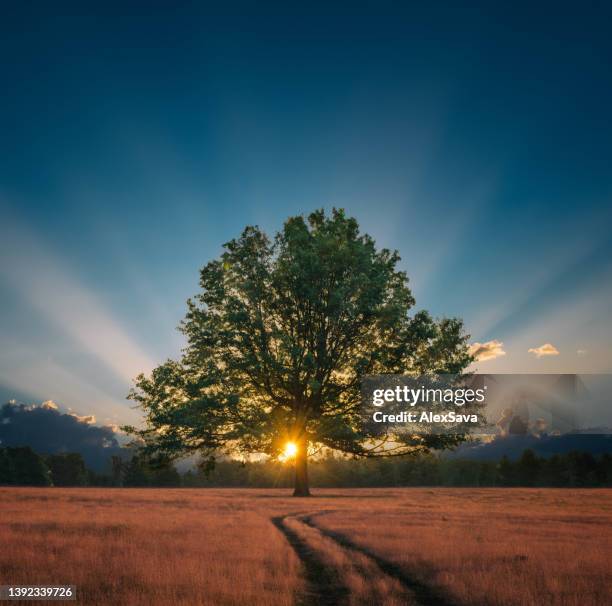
(323, 585)
(332, 562)
(424, 595)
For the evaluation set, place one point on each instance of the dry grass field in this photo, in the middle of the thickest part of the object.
(355, 547)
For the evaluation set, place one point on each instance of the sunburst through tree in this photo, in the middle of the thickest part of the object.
(277, 342)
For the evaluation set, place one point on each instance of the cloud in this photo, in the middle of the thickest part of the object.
(487, 351)
(88, 419)
(48, 431)
(24, 375)
(581, 352)
(544, 350)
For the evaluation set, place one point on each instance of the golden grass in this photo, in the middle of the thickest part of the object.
(219, 546)
(140, 546)
(494, 546)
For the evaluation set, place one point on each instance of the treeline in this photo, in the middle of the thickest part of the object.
(23, 467)
(574, 469)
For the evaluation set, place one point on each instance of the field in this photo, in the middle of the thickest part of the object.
(356, 547)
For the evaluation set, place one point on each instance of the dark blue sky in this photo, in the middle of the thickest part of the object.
(137, 139)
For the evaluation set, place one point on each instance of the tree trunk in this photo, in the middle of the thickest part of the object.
(301, 488)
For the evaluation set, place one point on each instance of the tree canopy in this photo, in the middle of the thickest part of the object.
(278, 340)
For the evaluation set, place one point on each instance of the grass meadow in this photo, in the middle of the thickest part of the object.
(352, 546)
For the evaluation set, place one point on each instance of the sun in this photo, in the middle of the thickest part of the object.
(289, 452)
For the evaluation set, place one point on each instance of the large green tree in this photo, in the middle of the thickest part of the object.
(277, 341)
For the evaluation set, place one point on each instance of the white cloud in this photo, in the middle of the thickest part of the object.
(544, 350)
(581, 352)
(89, 419)
(49, 405)
(487, 351)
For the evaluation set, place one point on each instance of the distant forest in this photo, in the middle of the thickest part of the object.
(21, 466)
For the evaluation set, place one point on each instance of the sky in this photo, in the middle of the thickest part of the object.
(474, 139)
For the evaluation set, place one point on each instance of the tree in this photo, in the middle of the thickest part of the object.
(6, 471)
(135, 473)
(505, 472)
(21, 466)
(117, 466)
(166, 476)
(67, 469)
(278, 340)
(528, 468)
(555, 472)
(582, 468)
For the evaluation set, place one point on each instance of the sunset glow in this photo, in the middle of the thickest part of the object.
(289, 452)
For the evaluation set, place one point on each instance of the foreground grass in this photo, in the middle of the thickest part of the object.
(218, 547)
(494, 546)
(134, 547)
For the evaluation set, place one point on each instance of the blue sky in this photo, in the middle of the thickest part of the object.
(475, 139)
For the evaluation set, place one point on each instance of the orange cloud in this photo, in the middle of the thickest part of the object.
(544, 350)
(487, 351)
